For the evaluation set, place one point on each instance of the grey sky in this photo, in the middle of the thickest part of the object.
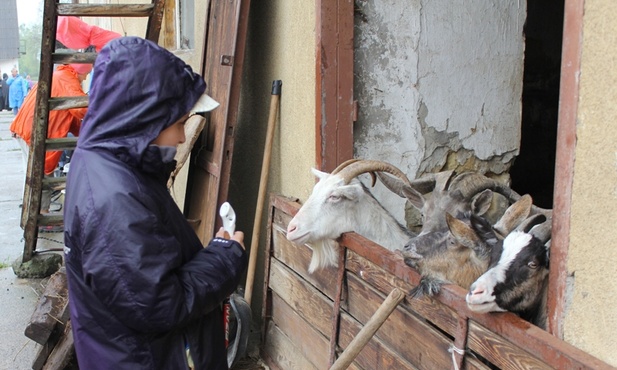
(29, 11)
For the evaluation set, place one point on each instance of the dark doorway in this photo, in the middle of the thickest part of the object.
(533, 171)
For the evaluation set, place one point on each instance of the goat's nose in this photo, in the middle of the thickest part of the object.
(475, 289)
(291, 228)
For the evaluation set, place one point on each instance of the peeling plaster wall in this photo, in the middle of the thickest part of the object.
(590, 321)
(439, 85)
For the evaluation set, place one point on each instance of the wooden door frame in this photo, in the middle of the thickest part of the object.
(564, 162)
(334, 83)
(335, 115)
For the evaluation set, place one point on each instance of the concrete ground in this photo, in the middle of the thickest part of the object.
(18, 297)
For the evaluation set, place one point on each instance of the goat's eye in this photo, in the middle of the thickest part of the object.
(532, 264)
(334, 197)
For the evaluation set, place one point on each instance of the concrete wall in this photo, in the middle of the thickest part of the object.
(439, 85)
(590, 321)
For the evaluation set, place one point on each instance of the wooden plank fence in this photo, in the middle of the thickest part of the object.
(309, 319)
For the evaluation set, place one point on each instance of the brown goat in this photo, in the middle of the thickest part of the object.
(464, 250)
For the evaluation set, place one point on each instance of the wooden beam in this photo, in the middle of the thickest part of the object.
(169, 25)
(62, 143)
(155, 19)
(66, 58)
(564, 162)
(336, 311)
(334, 83)
(106, 10)
(69, 102)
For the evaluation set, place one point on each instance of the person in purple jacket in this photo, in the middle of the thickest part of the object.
(142, 287)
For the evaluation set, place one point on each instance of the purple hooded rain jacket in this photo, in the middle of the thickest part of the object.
(142, 287)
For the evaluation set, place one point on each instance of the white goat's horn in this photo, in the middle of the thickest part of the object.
(359, 167)
(343, 165)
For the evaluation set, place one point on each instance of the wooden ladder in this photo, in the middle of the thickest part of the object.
(31, 217)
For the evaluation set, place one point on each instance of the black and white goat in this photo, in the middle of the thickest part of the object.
(517, 282)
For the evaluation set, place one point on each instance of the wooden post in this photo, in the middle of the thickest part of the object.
(336, 311)
(263, 186)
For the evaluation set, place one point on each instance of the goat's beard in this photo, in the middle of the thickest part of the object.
(325, 254)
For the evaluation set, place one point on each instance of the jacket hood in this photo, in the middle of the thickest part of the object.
(138, 89)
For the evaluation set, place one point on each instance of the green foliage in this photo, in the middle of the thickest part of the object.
(30, 50)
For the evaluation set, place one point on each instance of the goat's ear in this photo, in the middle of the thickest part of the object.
(481, 202)
(320, 175)
(415, 198)
(461, 231)
(398, 187)
(351, 192)
(514, 216)
(483, 229)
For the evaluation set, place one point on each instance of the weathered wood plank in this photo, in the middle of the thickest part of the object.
(410, 336)
(54, 182)
(501, 351)
(107, 10)
(68, 102)
(74, 57)
(287, 205)
(51, 309)
(63, 352)
(369, 329)
(155, 19)
(279, 351)
(312, 345)
(298, 258)
(376, 355)
(436, 312)
(61, 143)
(307, 301)
(50, 219)
(44, 351)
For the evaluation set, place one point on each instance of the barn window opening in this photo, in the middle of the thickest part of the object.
(533, 171)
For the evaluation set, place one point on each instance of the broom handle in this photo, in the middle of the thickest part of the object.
(263, 185)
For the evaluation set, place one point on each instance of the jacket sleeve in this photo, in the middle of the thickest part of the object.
(144, 275)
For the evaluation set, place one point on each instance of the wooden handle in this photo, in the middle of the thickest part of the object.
(263, 186)
(367, 332)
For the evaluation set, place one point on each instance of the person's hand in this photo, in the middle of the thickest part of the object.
(238, 236)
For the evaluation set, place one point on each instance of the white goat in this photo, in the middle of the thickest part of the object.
(340, 203)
